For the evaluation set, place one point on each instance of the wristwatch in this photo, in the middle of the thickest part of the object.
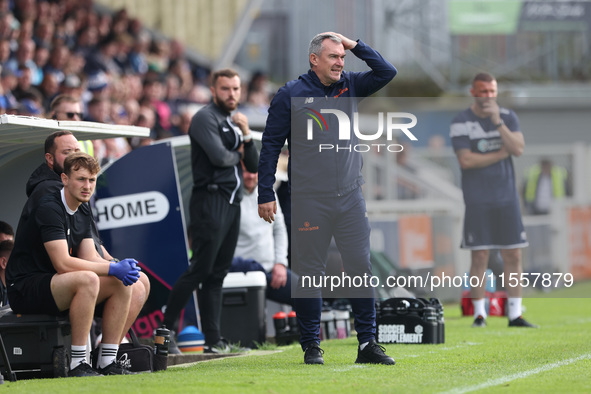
(499, 124)
(247, 138)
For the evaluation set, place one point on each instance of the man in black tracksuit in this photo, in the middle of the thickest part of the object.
(46, 179)
(325, 185)
(219, 142)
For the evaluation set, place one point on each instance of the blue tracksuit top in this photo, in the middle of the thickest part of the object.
(314, 174)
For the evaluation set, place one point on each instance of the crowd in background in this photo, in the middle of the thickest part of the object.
(122, 73)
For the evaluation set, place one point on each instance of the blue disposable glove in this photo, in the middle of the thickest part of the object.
(135, 265)
(127, 271)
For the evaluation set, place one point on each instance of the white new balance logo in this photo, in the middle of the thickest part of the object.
(309, 100)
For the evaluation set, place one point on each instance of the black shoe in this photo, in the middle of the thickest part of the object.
(479, 322)
(521, 322)
(115, 368)
(313, 354)
(223, 346)
(83, 369)
(172, 346)
(373, 353)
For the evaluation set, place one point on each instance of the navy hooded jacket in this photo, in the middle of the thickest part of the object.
(313, 173)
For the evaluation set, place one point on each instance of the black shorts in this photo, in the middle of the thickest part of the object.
(33, 296)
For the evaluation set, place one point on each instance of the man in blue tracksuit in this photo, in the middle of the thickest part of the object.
(325, 182)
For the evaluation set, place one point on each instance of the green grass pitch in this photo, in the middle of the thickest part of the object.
(554, 358)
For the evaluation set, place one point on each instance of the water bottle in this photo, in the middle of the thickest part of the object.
(342, 323)
(293, 323)
(328, 329)
(161, 341)
(280, 322)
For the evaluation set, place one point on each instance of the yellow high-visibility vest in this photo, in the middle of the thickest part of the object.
(558, 176)
(87, 147)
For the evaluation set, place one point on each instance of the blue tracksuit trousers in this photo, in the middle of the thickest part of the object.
(315, 221)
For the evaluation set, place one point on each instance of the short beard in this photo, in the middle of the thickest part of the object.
(224, 107)
(57, 168)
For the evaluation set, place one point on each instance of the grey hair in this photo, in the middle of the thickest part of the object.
(316, 44)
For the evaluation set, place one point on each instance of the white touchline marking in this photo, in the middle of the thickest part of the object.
(348, 368)
(520, 375)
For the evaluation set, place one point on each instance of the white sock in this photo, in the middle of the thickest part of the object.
(107, 354)
(514, 307)
(479, 309)
(78, 355)
(363, 345)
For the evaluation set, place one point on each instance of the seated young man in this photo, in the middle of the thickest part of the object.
(52, 268)
(46, 179)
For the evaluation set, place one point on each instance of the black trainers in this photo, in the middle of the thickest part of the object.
(223, 346)
(115, 368)
(313, 354)
(479, 322)
(521, 322)
(83, 369)
(373, 354)
(172, 346)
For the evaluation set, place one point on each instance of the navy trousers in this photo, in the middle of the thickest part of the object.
(315, 221)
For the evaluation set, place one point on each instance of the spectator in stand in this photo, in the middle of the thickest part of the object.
(11, 30)
(9, 81)
(75, 64)
(104, 25)
(24, 87)
(158, 60)
(26, 29)
(65, 34)
(29, 107)
(41, 57)
(44, 31)
(6, 20)
(24, 57)
(98, 110)
(109, 149)
(71, 86)
(120, 22)
(104, 59)
(49, 88)
(146, 118)
(132, 107)
(124, 43)
(98, 86)
(173, 100)
(154, 92)
(133, 86)
(25, 10)
(182, 69)
(137, 57)
(4, 51)
(58, 58)
(87, 40)
(184, 120)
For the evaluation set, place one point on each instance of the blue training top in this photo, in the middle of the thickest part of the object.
(494, 183)
(330, 173)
